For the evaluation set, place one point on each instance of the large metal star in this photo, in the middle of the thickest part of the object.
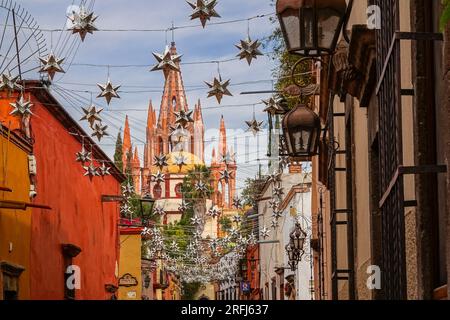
(254, 126)
(201, 187)
(51, 65)
(91, 115)
(125, 209)
(183, 206)
(278, 191)
(160, 161)
(234, 233)
(237, 219)
(159, 211)
(275, 224)
(158, 177)
(104, 170)
(108, 91)
(264, 233)
(227, 158)
(21, 107)
(274, 177)
(273, 107)
(166, 61)
(213, 212)
(100, 131)
(91, 170)
(252, 240)
(219, 89)
(277, 214)
(237, 203)
(196, 221)
(83, 156)
(273, 204)
(225, 175)
(183, 117)
(9, 83)
(128, 190)
(249, 50)
(181, 160)
(204, 10)
(83, 22)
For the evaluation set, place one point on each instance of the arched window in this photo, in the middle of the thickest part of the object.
(160, 146)
(178, 191)
(157, 191)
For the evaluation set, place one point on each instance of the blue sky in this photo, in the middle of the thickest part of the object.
(215, 42)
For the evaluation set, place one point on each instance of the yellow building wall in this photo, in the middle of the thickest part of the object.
(15, 225)
(130, 262)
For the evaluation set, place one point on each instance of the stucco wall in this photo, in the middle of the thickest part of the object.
(77, 217)
(130, 262)
(15, 225)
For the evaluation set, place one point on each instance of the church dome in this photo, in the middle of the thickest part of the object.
(190, 161)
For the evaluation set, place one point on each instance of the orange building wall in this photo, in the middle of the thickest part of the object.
(78, 216)
(15, 225)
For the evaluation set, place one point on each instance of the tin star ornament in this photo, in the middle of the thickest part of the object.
(273, 204)
(213, 212)
(161, 161)
(277, 215)
(108, 91)
(91, 170)
(204, 10)
(219, 89)
(237, 219)
(158, 177)
(51, 65)
(278, 191)
(181, 160)
(264, 233)
(83, 156)
(275, 177)
(91, 115)
(167, 61)
(196, 221)
(227, 158)
(9, 83)
(225, 175)
(104, 170)
(159, 211)
(201, 187)
(237, 203)
(183, 207)
(99, 131)
(274, 224)
(273, 107)
(254, 126)
(127, 190)
(83, 22)
(21, 107)
(183, 117)
(249, 50)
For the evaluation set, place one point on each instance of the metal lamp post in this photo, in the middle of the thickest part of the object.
(147, 203)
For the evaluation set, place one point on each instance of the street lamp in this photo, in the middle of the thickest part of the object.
(298, 237)
(301, 131)
(312, 27)
(147, 203)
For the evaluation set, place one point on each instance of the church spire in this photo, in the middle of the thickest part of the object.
(126, 146)
(174, 97)
(222, 138)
